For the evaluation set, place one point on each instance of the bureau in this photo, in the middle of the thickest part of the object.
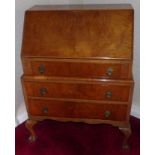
(77, 64)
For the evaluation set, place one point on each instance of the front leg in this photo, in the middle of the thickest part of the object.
(127, 132)
(29, 125)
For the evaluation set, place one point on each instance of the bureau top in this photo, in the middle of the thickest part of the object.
(82, 7)
(91, 31)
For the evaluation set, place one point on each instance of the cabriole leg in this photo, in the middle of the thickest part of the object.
(127, 132)
(29, 125)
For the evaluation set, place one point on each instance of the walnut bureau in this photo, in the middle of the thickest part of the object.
(77, 64)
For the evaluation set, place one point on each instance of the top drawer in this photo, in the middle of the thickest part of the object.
(78, 68)
(101, 33)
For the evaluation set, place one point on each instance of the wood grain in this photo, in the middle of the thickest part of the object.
(77, 110)
(81, 69)
(79, 91)
(79, 33)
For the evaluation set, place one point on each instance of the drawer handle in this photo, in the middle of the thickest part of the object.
(108, 94)
(43, 91)
(107, 114)
(41, 69)
(45, 110)
(109, 71)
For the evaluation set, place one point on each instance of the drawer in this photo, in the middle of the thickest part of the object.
(65, 109)
(82, 69)
(72, 90)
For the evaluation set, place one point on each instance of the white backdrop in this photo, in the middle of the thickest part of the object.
(22, 5)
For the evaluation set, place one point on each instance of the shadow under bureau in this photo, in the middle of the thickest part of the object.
(77, 63)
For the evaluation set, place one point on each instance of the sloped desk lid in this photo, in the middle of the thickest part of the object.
(100, 31)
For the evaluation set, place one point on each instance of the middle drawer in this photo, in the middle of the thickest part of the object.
(88, 91)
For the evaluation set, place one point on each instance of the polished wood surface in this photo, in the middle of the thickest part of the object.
(78, 34)
(79, 91)
(80, 68)
(74, 80)
(77, 64)
(77, 110)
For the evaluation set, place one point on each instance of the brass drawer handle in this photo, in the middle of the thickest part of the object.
(41, 69)
(108, 94)
(43, 91)
(45, 110)
(107, 114)
(109, 71)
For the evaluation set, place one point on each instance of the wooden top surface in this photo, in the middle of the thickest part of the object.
(82, 7)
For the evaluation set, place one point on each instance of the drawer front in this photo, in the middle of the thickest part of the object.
(88, 91)
(77, 110)
(80, 69)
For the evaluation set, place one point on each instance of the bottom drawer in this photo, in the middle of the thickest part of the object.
(53, 108)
